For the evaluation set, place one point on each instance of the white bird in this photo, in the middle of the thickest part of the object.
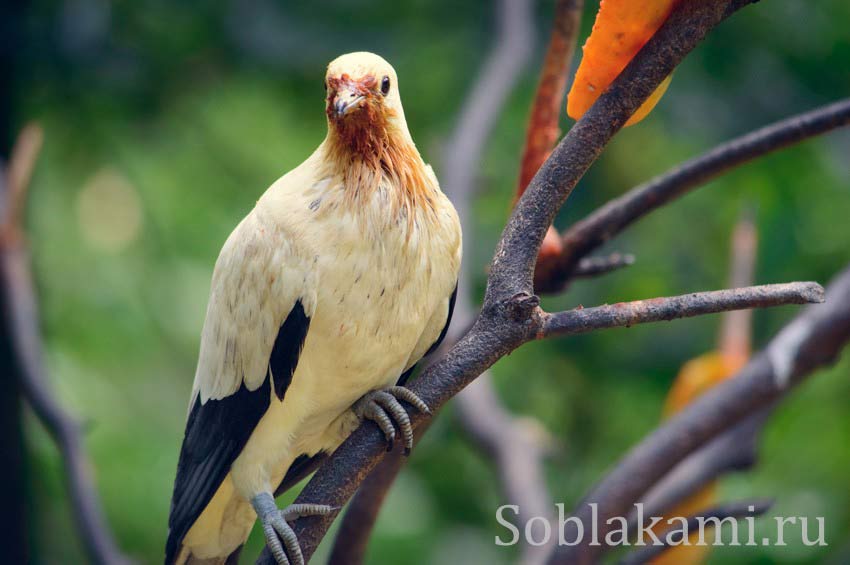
(323, 300)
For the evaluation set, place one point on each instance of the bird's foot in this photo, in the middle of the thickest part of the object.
(383, 406)
(280, 537)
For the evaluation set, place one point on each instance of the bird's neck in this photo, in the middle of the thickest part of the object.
(366, 158)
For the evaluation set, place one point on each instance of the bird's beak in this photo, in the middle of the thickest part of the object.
(347, 100)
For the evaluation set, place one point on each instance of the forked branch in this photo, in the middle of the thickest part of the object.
(612, 218)
(510, 315)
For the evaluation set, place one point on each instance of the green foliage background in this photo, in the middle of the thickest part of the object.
(192, 109)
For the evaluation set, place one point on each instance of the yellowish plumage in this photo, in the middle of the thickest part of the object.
(361, 234)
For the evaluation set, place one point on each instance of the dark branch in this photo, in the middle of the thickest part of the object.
(581, 320)
(734, 450)
(812, 340)
(512, 269)
(21, 319)
(612, 218)
(740, 509)
(352, 538)
(510, 316)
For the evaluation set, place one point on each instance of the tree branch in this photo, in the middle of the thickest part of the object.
(512, 269)
(734, 450)
(21, 319)
(612, 218)
(812, 340)
(582, 320)
(590, 267)
(740, 509)
(510, 316)
(736, 328)
(518, 446)
(352, 538)
(543, 131)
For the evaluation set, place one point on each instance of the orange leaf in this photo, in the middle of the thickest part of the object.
(699, 375)
(622, 27)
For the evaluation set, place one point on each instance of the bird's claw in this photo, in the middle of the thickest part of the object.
(383, 406)
(281, 539)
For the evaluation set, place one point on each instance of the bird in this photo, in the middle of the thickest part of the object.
(323, 300)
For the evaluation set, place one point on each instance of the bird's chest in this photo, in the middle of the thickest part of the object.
(376, 294)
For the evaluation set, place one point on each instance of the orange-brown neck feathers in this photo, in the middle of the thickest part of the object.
(368, 146)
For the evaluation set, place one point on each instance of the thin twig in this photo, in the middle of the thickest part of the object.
(708, 517)
(582, 320)
(590, 267)
(616, 215)
(21, 318)
(812, 340)
(21, 165)
(543, 131)
(736, 328)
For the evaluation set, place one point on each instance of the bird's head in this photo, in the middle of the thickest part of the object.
(363, 104)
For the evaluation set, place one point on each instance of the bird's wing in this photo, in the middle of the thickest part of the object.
(261, 300)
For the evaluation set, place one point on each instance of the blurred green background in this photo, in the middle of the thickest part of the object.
(165, 121)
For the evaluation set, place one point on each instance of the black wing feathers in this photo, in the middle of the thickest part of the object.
(445, 329)
(217, 430)
(287, 348)
(215, 434)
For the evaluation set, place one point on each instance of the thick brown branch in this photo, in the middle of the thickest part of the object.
(812, 340)
(742, 509)
(582, 320)
(616, 215)
(352, 538)
(512, 269)
(508, 317)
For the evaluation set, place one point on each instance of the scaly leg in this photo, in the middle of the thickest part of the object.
(279, 535)
(383, 406)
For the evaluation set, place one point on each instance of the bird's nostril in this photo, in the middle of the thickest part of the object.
(351, 95)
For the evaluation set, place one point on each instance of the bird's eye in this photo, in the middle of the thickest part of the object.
(385, 86)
